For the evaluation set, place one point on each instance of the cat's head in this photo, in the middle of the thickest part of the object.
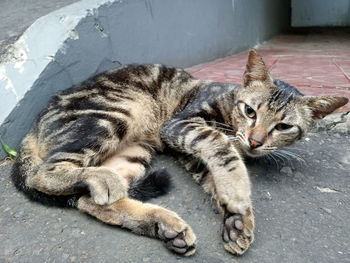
(270, 113)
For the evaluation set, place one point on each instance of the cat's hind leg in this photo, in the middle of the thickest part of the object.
(66, 178)
(64, 174)
(144, 219)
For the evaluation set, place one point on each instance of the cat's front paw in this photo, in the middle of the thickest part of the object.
(238, 231)
(234, 203)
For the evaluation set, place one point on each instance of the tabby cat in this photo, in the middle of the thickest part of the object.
(92, 144)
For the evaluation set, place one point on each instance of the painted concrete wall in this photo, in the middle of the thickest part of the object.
(78, 41)
(320, 13)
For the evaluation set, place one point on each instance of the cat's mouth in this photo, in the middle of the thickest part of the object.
(253, 152)
(257, 152)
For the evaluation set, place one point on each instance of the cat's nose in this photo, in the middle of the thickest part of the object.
(254, 143)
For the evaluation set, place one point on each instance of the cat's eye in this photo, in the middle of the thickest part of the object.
(250, 112)
(283, 127)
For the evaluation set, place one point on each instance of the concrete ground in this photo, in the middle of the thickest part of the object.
(301, 207)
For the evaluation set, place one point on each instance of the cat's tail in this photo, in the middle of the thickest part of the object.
(151, 185)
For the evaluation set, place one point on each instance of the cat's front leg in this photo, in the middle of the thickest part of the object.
(238, 225)
(237, 229)
(231, 180)
(228, 175)
(229, 184)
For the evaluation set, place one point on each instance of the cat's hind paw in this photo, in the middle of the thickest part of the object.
(107, 187)
(238, 232)
(181, 242)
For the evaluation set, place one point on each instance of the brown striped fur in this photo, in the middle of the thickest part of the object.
(96, 139)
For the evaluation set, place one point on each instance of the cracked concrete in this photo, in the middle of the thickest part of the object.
(301, 207)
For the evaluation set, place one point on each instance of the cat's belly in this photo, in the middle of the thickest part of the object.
(130, 162)
(112, 162)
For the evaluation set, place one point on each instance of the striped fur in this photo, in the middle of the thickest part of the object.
(94, 142)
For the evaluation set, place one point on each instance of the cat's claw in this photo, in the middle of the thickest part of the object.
(237, 232)
(180, 242)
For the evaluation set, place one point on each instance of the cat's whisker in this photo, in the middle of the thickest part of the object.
(270, 147)
(274, 159)
(220, 123)
(281, 157)
(233, 138)
(292, 155)
(148, 145)
(297, 149)
(241, 139)
(289, 156)
(224, 129)
(238, 134)
(268, 157)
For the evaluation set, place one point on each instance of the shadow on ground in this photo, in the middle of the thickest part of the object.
(302, 215)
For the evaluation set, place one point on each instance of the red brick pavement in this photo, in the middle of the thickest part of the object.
(313, 72)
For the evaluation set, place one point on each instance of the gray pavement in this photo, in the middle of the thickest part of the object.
(17, 15)
(302, 215)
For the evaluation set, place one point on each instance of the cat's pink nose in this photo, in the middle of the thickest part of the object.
(254, 144)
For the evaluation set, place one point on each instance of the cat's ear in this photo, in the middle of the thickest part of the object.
(324, 105)
(256, 69)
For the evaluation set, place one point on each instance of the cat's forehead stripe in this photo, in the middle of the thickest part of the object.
(282, 95)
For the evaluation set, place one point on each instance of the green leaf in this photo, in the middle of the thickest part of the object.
(10, 152)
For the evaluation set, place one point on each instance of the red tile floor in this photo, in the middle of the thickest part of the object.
(314, 63)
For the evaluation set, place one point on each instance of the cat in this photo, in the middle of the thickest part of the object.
(92, 144)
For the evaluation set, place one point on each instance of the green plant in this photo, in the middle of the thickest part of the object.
(10, 152)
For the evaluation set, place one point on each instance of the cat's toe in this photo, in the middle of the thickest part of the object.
(237, 232)
(182, 242)
(180, 246)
